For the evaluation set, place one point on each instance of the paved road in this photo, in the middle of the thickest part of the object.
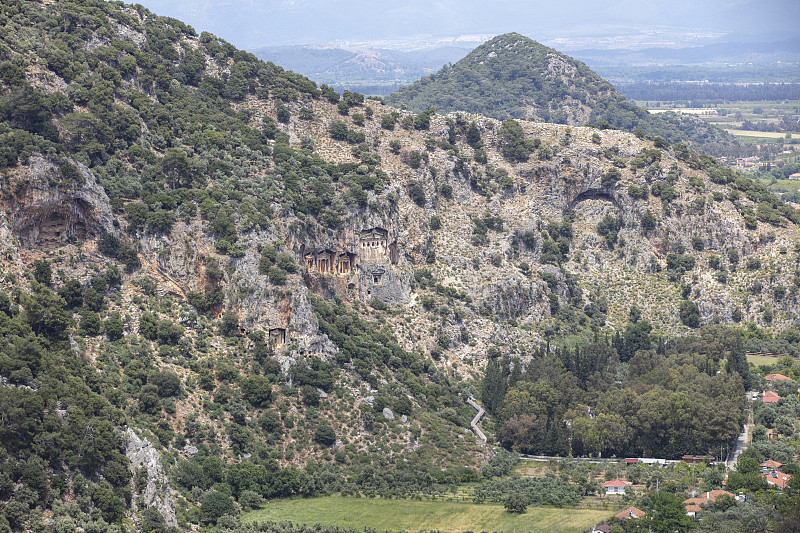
(477, 418)
(744, 437)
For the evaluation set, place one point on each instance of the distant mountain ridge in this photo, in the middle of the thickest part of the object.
(369, 70)
(513, 76)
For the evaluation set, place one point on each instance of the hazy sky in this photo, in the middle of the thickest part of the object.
(253, 23)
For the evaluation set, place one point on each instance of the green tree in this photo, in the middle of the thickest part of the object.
(215, 504)
(310, 395)
(689, 313)
(513, 144)
(515, 503)
(113, 328)
(229, 325)
(42, 272)
(175, 166)
(667, 513)
(493, 388)
(45, 311)
(473, 135)
(257, 390)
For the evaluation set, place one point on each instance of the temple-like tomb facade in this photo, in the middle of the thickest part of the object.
(373, 247)
(278, 336)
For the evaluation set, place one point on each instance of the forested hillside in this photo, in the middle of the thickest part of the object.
(221, 283)
(512, 76)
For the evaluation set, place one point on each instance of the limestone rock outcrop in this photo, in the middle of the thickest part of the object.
(157, 492)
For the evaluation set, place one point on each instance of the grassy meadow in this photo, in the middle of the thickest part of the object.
(759, 360)
(413, 515)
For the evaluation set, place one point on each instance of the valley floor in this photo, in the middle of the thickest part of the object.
(411, 515)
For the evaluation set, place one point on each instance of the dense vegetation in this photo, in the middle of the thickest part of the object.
(152, 122)
(512, 76)
(59, 416)
(151, 111)
(632, 395)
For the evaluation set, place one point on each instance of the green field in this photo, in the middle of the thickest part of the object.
(759, 360)
(411, 515)
(760, 134)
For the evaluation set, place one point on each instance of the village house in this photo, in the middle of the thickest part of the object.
(631, 513)
(616, 486)
(747, 161)
(770, 397)
(777, 479)
(776, 377)
(771, 465)
(693, 505)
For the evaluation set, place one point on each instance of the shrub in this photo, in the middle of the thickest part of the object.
(513, 144)
(414, 159)
(113, 328)
(338, 130)
(229, 325)
(277, 276)
(402, 406)
(610, 177)
(417, 194)
(324, 434)
(388, 121)
(648, 222)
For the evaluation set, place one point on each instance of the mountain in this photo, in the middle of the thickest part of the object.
(512, 76)
(222, 283)
(376, 71)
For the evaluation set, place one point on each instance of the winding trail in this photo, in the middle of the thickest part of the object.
(477, 418)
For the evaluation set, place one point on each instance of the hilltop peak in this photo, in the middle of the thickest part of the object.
(514, 76)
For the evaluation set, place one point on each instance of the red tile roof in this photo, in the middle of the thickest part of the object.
(771, 397)
(777, 478)
(775, 377)
(693, 504)
(714, 494)
(617, 483)
(631, 512)
(771, 464)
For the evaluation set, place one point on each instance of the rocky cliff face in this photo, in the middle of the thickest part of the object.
(50, 205)
(157, 492)
(492, 287)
